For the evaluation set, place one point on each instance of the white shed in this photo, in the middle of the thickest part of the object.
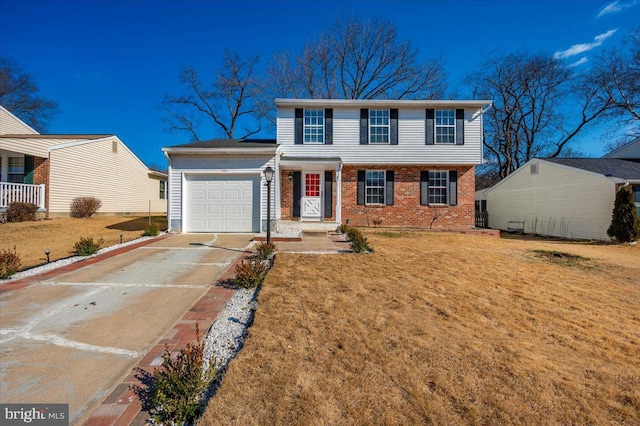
(562, 197)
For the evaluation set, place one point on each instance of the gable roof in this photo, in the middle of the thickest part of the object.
(225, 146)
(629, 151)
(608, 167)
(384, 103)
(228, 143)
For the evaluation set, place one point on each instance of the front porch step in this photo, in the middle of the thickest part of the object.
(307, 226)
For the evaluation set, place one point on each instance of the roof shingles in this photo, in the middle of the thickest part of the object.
(610, 167)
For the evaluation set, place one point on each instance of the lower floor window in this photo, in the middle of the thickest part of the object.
(438, 184)
(374, 187)
(636, 197)
(15, 171)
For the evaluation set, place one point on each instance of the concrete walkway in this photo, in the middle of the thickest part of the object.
(74, 335)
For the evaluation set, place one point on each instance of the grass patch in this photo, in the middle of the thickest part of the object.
(394, 234)
(441, 329)
(561, 258)
(60, 235)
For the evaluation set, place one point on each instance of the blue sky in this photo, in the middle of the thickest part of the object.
(108, 64)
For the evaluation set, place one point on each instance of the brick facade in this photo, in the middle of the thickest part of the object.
(406, 209)
(286, 196)
(41, 177)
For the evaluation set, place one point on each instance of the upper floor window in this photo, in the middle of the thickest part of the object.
(314, 126)
(163, 190)
(15, 171)
(374, 187)
(438, 185)
(378, 126)
(445, 126)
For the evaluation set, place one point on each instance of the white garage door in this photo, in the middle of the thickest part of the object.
(222, 203)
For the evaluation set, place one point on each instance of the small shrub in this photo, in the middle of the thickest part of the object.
(342, 229)
(9, 262)
(265, 250)
(151, 230)
(359, 243)
(85, 206)
(250, 273)
(179, 383)
(625, 225)
(87, 246)
(21, 212)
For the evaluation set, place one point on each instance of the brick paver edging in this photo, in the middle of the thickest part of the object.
(122, 407)
(23, 282)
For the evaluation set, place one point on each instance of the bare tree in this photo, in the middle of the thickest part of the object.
(230, 99)
(19, 94)
(355, 59)
(617, 73)
(539, 107)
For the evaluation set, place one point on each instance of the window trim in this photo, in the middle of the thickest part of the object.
(387, 126)
(446, 188)
(447, 126)
(320, 127)
(384, 188)
(10, 173)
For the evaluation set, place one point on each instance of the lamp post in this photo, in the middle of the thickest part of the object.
(268, 176)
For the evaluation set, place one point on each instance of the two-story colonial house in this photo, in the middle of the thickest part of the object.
(368, 162)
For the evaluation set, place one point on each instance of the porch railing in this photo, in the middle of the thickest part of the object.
(20, 192)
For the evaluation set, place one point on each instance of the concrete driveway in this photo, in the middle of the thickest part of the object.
(72, 337)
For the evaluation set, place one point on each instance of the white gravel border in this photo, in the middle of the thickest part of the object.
(69, 260)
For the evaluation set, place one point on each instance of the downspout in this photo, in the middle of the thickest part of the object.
(168, 193)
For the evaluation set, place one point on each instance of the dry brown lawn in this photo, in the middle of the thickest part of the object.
(60, 234)
(444, 329)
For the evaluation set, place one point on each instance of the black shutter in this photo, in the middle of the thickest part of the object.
(361, 178)
(393, 126)
(364, 127)
(424, 188)
(459, 127)
(328, 126)
(453, 188)
(299, 126)
(428, 127)
(328, 194)
(388, 188)
(297, 193)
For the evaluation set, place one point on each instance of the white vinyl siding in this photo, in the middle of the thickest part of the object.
(12, 125)
(91, 169)
(558, 201)
(411, 148)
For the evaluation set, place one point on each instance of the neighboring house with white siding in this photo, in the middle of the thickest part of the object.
(52, 170)
(365, 162)
(564, 197)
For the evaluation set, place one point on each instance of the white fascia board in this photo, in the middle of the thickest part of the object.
(78, 142)
(382, 103)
